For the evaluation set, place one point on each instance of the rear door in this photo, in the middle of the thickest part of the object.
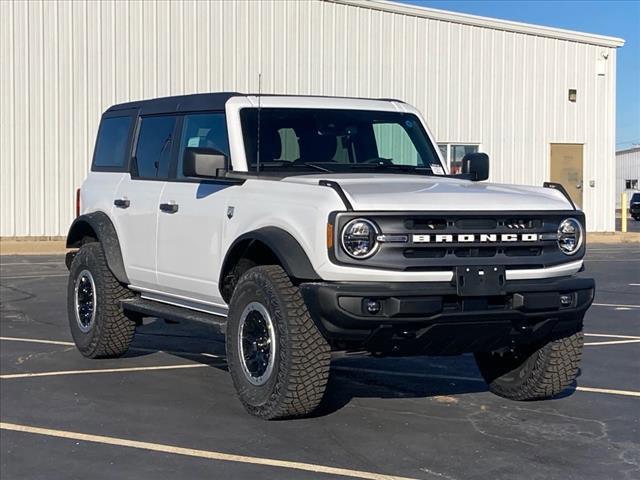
(566, 169)
(110, 161)
(189, 252)
(136, 203)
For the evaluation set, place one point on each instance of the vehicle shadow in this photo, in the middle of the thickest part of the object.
(352, 375)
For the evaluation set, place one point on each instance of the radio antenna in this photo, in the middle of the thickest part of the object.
(258, 135)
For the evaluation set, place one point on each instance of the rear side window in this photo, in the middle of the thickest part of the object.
(153, 151)
(111, 145)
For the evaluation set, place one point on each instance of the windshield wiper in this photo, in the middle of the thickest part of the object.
(387, 166)
(292, 165)
(318, 167)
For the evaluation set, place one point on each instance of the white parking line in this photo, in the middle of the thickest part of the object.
(190, 452)
(36, 340)
(611, 335)
(101, 370)
(608, 335)
(609, 260)
(627, 393)
(612, 342)
(614, 305)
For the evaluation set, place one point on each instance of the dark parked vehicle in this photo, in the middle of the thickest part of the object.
(634, 206)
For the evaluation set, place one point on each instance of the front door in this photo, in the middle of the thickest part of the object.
(566, 168)
(189, 251)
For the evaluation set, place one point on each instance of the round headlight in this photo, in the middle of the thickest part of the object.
(570, 236)
(359, 238)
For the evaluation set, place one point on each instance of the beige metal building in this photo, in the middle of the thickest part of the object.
(540, 101)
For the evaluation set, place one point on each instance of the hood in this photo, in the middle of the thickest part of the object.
(394, 192)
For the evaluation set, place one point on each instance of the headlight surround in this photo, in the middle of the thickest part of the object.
(570, 236)
(358, 238)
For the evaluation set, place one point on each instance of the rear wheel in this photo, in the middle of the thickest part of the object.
(277, 357)
(99, 326)
(533, 373)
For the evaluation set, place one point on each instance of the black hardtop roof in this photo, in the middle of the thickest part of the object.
(200, 102)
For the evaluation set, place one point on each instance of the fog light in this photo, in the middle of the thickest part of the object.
(373, 306)
(566, 300)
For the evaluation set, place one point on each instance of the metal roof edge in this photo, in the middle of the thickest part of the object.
(628, 150)
(486, 22)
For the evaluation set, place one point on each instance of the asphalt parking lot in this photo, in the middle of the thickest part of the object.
(168, 409)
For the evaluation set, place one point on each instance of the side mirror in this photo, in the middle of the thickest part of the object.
(476, 166)
(203, 162)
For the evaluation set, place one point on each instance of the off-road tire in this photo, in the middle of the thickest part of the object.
(112, 331)
(301, 369)
(534, 373)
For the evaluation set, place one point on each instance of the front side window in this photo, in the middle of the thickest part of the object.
(153, 151)
(112, 142)
(297, 140)
(203, 130)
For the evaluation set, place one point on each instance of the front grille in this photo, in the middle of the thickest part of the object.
(478, 239)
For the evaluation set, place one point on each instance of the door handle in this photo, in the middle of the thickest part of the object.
(169, 207)
(121, 203)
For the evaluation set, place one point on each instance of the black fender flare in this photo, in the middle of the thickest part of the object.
(99, 225)
(285, 247)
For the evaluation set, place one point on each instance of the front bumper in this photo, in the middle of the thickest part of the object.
(430, 318)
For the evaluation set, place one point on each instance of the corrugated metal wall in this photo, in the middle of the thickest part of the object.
(63, 63)
(627, 168)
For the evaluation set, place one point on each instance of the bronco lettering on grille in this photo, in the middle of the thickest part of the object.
(476, 238)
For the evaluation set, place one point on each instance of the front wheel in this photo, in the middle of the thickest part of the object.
(533, 373)
(277, 357)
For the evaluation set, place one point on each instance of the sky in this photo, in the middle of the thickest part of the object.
(605, 17)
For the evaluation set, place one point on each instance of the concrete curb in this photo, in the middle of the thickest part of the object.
(617, 237)
(32, 247)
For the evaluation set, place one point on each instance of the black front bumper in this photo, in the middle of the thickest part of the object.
(430, 318)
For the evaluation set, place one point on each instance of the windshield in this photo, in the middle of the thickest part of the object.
(300, 141)
(635, 197)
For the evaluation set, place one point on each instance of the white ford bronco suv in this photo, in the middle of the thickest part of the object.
(302, 225)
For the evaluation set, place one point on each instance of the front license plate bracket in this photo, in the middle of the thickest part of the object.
(479, 281)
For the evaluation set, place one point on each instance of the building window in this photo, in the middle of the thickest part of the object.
(631, 184)
(453, 154)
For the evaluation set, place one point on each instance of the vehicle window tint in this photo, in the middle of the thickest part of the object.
(153, 152)
(203, 130)
(394, 143)
(290, 148)
(111, 145)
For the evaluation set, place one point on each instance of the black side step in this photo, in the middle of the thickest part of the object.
(149, 308)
